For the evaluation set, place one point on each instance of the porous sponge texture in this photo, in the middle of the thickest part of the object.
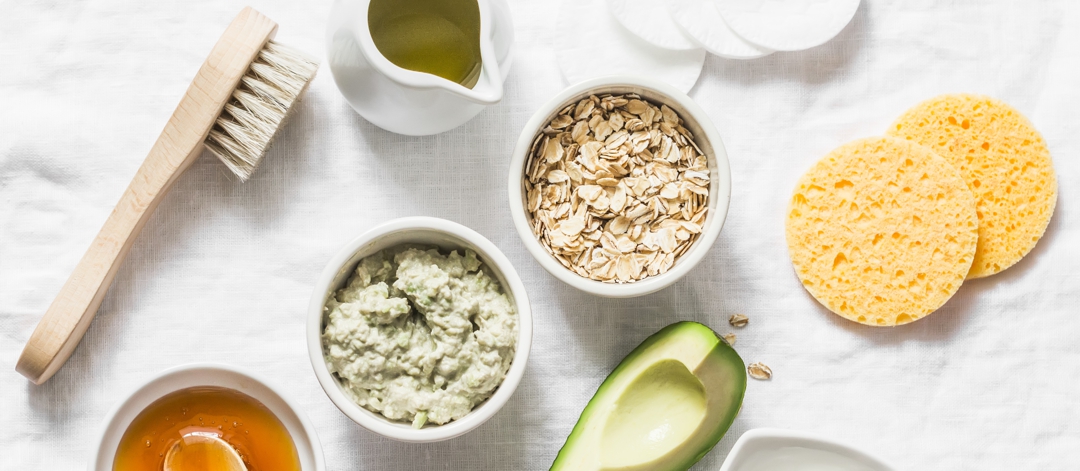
(882, 231)
(1004, 161)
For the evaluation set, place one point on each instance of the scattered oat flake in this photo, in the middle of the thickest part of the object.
(759, 371)
(730, 339)
(738, 320)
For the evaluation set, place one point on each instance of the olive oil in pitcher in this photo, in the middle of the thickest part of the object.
(438, 37)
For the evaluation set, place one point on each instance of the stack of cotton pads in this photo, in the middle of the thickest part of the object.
(667, 39)
(779, 25)
(884, 230)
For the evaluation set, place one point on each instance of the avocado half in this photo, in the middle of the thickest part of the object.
(663, 408)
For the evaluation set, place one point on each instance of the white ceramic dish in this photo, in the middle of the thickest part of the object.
(303, 434)
(705, 136)
(426, 231)
(771, 449)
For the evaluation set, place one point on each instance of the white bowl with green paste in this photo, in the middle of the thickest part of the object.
(419, 329)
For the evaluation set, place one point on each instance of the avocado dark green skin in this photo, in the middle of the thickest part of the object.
(721, 354)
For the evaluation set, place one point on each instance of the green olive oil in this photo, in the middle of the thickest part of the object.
(438, 37)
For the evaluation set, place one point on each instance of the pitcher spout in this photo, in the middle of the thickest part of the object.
(489, 86)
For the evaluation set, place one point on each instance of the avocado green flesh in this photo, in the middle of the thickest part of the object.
(663, 408)
(653, 416)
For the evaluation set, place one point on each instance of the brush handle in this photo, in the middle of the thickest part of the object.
(179, 144)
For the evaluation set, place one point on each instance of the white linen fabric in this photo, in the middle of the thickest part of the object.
(223, 270)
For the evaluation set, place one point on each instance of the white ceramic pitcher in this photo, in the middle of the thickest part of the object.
(406, 101)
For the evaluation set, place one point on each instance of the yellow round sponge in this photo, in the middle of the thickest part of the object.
(882, 231)
(1004, 161)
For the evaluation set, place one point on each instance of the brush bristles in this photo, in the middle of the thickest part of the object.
(259, 106)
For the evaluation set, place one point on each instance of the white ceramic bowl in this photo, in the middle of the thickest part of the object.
(207, 374)
(426, 231)
(705, 136)
(756, 448)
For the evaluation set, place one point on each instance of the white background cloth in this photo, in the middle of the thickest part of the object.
(223, 270)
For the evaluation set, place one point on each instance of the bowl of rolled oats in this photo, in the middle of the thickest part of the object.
(619, 186)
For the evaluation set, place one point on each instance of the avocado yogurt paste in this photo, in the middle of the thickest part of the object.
(420, 336)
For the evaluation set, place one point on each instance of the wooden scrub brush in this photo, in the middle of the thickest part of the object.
(233, 108)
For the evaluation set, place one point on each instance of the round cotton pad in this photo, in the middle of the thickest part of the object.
(702, 22)
(787, 25)
(882, 231)
(1004, 161)
(590, 43)
(648, 20)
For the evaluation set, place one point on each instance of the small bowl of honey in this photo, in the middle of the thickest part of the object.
(207, 416)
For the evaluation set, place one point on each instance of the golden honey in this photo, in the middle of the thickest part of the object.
(247, 425)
